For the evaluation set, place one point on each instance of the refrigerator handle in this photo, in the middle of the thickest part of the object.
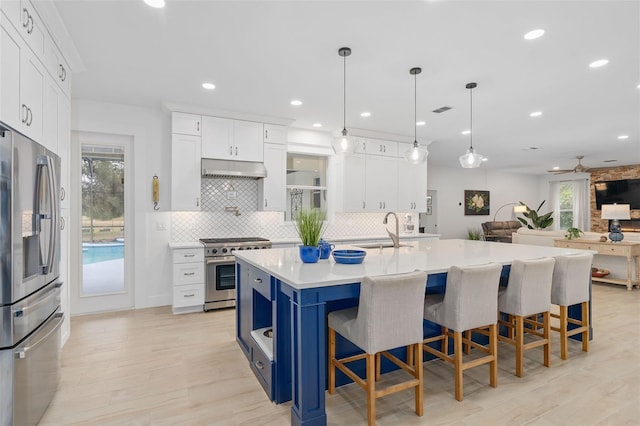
(47, 162)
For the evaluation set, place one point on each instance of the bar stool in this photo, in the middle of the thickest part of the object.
(570, 286)
(389, 316)
(526, 298)
(469, 304)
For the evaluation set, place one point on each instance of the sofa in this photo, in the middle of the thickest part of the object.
(615, 264)
(501, 231)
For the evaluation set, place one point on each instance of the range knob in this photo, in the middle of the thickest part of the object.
(224, 250)
(256, 248)
(214, 251)
(248, 248)
(232, 250)
(240, 248)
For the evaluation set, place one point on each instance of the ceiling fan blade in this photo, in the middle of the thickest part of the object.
(559, 172)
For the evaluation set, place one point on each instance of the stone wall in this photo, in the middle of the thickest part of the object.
(613, 173)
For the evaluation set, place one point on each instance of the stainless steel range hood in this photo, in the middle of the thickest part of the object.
(230, 168)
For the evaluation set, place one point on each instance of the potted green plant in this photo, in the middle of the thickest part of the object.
(535, 220)
(310, 226)
(573, 233)
(474, 234)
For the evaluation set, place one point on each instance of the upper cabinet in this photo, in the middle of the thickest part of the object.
(377, 147)
(186, 124)
(412, 186)
(227, 139)
(271, 190)
(274, 133)
(185, 172)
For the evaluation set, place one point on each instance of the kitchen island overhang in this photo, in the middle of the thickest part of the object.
(277, 290)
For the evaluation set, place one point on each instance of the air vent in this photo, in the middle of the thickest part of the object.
(441, 109)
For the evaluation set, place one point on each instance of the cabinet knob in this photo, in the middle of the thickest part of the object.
(188, 274)
(258, 281)
(236, 150)
(259, 365)
(230, 150)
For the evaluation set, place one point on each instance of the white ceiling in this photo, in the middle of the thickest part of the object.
(263, 54)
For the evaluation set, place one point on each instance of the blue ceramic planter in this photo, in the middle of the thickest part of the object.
(309, 254)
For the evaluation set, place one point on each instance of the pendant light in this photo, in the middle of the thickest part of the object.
(470, 160)
(344, 144)
(416, 154)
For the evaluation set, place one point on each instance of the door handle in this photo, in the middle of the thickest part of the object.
(236, 150)
(25, 113)
(188, 274)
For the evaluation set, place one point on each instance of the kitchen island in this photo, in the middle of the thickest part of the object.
(277, 291)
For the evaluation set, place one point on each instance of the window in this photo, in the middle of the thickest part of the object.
(306, 183)
(566, 197)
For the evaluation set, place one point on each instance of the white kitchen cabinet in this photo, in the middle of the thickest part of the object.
(272, 188)
(32, 82)
(412, 186)
(50, 116)
(56, 65)
(188, 280)
(32, 28)
(274, 133)
(186, 124)
(247, 139)
(64, 125)
(9, 74)
(227, 139)
(381, 183)
(185, 172)
(353, 183)
(381, 147)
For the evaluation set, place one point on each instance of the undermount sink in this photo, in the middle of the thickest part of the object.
(377, 245)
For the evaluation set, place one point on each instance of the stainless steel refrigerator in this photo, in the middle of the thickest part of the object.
(30, 313)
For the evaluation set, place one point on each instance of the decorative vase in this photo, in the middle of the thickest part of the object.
(309, 254)
(325, 249)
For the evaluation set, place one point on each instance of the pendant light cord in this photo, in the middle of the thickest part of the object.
(415, 110)
(471, 118)
(344, 93)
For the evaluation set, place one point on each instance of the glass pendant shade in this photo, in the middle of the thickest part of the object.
(416, 154)
(470, 160)
(344, 144)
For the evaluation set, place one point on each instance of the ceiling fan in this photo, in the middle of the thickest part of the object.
(579, 168)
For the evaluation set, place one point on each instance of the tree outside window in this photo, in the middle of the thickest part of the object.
(565, 195)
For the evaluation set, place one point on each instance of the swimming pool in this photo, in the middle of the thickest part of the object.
(94, 253)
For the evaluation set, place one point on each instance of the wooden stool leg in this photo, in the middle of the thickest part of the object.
(467, 346)
(564, 340)
(410, 355)
(546, 319)
(378, 362)
(371, 390)
(457, 363)
(419, 373)
(519, 337)
(493, 350)
(332, 355)
(585, 323)
(510, 330)
(444, 346)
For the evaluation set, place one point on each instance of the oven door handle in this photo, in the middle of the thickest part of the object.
(221, 260)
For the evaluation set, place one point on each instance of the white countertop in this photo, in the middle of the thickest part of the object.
(357, 238)
(429, 255)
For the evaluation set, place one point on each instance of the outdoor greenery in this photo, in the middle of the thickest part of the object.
(534, 220)
(565, 215)
(310, 226)
(102, 188)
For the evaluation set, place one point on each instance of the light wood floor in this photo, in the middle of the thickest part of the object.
(149, 367)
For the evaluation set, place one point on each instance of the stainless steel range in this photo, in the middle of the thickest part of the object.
(220, 270)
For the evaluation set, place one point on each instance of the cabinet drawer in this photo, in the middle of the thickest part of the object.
(188, 255)
(260, 281)
(188, 273)
(188, 295)
(263, 368)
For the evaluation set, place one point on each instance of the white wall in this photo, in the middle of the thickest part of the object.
(503, 188)
(151, 132)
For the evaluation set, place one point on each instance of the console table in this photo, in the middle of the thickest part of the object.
(624, 249)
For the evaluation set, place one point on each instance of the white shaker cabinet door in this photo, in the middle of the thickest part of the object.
(186, 124)
(412, 186)
(382, 183)
(274, 133)
(272, 188)
(32, 82)
(9, 75)
(217, 138)
(247, 137)
(354, 184)
(185, 173)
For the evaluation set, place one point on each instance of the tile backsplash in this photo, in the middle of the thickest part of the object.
(214, 222)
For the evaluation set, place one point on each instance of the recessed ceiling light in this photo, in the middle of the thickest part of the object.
(296, 102)
(317, 124)
(155, 3)
(623, 137)
(532, 35)
(420, 123)
(556, 168)
(365, 114)
(535, 114)
(484, 159)
(209, 86)
(638, 86)
(599, 63)
(466, 132)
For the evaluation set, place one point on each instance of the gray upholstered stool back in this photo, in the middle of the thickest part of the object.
(571, 277)
(529, 289)
(389, 312)
(470, 299)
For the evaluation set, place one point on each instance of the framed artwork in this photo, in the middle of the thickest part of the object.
(476, 203)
